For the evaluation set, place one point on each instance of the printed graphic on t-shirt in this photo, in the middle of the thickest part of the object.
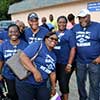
(58, 47)
(60, 36)
(34, 39)
(83, 38)
(50, 64)
(9, 53)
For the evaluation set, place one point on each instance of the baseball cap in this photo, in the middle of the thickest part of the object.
(32, 16)
(83, 13)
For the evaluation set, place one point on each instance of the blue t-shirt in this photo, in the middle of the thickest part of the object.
(6, 51)
(45, 62)
(65, 43)
(31, 37)
(4, 35)
(88, 42)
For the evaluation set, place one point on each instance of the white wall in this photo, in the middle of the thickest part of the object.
(63, 9)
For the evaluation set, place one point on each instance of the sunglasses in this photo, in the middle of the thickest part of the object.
(53, 39)
(13, 32)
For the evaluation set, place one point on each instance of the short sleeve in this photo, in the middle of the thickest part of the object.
(1, 52)
(31, 49)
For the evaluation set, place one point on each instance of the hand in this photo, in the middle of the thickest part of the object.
(97, 60)
(53, 92)
(1, 77)
(37, 76)
(68, 69)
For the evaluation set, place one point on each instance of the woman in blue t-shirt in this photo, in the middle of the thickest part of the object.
(7, 49)
(35, 86)
(65, 52)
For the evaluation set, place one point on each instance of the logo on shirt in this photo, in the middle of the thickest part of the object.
(58, 47)
(34, 39)
(9, 53)
(83, 38)
(50, 64)
(60, 36)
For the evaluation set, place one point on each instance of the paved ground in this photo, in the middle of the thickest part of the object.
(73, 88)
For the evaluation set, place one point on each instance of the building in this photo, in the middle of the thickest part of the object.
(20, 10)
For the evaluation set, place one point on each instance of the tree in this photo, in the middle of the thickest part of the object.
(4, 5)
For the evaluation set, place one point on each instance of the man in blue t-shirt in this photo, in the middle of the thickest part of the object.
(34, 33)
(88, 55)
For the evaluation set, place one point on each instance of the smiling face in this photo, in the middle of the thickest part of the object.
(51, 41)
(62, 23)
(84, 21)
(13, 33)
(33, 23)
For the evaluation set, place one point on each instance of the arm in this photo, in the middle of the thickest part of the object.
(29, 66)
(1, 41)
(53, 83)
(70, 60)
(1, 64)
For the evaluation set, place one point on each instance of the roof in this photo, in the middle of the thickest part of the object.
(27, 5)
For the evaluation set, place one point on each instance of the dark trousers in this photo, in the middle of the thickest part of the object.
(11, 89)
(28, 91)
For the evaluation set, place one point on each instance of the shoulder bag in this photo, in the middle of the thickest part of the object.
(16, 65)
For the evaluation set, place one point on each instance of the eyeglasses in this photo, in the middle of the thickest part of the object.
(13, 31)
(53, 39)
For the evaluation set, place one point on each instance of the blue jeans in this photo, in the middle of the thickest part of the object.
(28, 91)
(93, 71)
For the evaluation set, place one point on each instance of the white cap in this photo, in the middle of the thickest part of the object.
(83, 13)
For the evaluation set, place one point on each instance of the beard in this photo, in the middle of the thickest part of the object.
(84, 24)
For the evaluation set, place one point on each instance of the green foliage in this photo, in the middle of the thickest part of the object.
(4, 6)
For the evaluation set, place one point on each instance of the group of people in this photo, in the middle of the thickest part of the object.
(71, 47)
